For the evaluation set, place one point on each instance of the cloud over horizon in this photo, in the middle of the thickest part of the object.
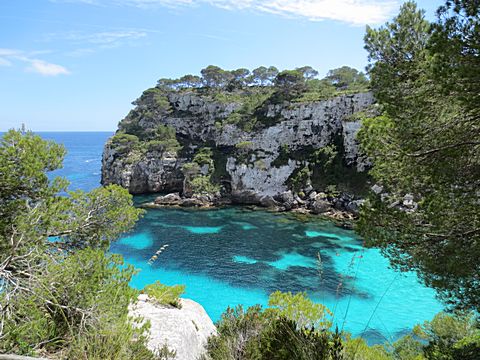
(353, 12)
(42, 67)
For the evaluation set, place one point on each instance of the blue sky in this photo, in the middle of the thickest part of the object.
(76, 65)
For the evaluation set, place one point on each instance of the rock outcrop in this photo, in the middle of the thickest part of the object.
(184, 331)
(251, 165)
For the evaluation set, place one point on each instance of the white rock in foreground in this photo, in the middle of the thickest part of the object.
(184, 330)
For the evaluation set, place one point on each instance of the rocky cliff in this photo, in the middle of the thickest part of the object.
(247, 153)
(184, 331)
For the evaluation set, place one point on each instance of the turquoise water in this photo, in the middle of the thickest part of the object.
(235, 256)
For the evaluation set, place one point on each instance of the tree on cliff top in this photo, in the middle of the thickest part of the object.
(427, 144)
(347, 78)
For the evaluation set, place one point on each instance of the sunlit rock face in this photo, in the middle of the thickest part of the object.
(184, 331)
(259, 166)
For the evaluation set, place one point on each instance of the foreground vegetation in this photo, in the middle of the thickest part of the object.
(293, 327)
(426, 145)
(61, 293)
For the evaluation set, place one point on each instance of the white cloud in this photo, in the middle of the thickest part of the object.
(355, 12)
(9, 56)
(106, 38)
(9, 52)
(46, 69)
(84, 43)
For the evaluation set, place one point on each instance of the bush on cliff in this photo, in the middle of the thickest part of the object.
(165, 295)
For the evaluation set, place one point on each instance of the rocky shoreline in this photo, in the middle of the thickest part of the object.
(343, 208)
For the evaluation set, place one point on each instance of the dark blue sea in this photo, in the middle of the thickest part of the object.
(236, 256)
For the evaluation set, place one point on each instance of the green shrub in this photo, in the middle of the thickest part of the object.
(450, 337)
(202, 185)
(204, 157)
(164, 294)
(283, 339)
(358, 349)
(78, 307)
(268, 335)
(124, 140)
(238, 334)
(300, 178)
(300, 309)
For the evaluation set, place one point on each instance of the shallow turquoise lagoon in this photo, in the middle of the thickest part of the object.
(236, 256)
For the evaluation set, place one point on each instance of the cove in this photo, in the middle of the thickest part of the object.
(232, 256)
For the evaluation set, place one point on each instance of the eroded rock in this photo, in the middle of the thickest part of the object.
(184, 330)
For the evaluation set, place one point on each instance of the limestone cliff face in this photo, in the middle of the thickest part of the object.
(259, 162)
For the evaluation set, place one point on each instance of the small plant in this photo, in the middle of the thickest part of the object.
(332, 191)
(164, 294)
(300, 179)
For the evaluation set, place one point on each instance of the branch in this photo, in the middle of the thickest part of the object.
(452, 146)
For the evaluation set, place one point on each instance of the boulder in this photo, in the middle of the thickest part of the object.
(170, 199)
(247, 197)
(320, 206)
(184, 330)
(308, 189)
(286, 199)
(269, 202)
(354, 206)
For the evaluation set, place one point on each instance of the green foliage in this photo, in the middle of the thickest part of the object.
(293, 327)
(289, 84)
(246, 117)
(300, 309)
(347, 78)
(191, 168)
(195, 182)
(77, 307)
(300, 178)
(317, 90)
(450, 337)
(202, 185)
(57, 283)
(426, 144)
(238, 334)
(214, 76)
(264, 76)
(163, 140)
(277, 333)
(157, 97)
(164, 294)
(124, 143)
(408, 348)
(282, 339)
(358, 349)
(283, 156)
(204, 157)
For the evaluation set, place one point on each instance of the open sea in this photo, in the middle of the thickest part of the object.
(236, 256)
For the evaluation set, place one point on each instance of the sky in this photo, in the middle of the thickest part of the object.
(76, 65)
